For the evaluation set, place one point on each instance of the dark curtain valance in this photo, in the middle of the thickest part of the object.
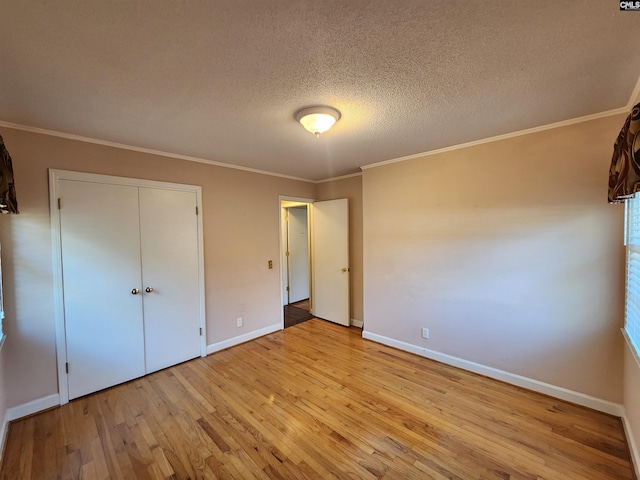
(624, 174)
(8, 202)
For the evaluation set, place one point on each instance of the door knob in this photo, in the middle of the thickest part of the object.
(345, 269)
(148, 289)
(135, 291)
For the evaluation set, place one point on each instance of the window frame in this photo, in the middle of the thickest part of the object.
(631, 329)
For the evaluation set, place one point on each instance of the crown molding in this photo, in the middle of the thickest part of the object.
(633, 99)
(635, 96)
(519, 133)
(150, 151)
(342, 177)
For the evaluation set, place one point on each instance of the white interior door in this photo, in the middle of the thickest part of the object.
(169, 246)
(298, 254)
(100, 242)
(330, 248)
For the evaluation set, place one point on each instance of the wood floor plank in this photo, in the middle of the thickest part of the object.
(317, 401)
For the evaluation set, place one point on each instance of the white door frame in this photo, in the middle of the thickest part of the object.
(58, 298)
(283, 264)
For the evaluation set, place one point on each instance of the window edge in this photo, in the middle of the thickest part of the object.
(630, 346)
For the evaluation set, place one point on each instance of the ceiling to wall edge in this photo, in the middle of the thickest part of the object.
(633, 99)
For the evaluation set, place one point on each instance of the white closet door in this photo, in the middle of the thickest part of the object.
(101, 265)
(169, 245)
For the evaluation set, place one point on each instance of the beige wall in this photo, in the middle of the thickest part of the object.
(631, 397)
(240, 235)
(350, 188)
(507, 252)
(518, 265)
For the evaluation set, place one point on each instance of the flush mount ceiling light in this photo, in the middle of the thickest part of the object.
(317, 119)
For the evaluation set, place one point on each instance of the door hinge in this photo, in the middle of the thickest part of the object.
(200, 331)
(286, 218)
(287, 289)
(67, 366)
(59, 203)
(287, 254)
(196, 210)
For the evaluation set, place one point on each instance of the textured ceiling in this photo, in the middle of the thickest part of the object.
(221, 80)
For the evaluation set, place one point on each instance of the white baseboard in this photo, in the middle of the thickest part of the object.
(32, 407)
(357, 323)
(23, 410)
(3, 435)
(216, 347)
(633, 446)
(512, 378)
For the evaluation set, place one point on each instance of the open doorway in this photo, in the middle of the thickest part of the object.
(296, 262)
(314, 246)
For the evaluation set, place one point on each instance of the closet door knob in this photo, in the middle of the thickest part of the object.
(148, 289)
(135, 291)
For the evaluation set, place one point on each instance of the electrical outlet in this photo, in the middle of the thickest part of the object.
(425, 333)
(239, 322)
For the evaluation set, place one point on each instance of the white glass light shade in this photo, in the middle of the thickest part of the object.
(317, 120)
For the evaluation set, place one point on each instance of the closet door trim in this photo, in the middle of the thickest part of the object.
(58, 293)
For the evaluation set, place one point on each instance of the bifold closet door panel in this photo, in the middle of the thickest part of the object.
(169, 246)
(100, 239)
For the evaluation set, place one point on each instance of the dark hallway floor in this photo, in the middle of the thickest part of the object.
(296, 313)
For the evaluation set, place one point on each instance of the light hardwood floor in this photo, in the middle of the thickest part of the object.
(316, 401)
